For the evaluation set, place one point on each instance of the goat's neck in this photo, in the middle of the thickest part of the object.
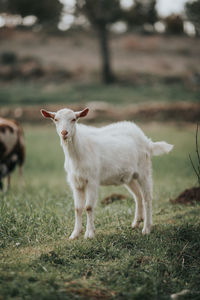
(72, 147)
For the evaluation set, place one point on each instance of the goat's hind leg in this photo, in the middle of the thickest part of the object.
(147, 188)
(147, 191)
(135, 190)
(91, 198)
(79, 201)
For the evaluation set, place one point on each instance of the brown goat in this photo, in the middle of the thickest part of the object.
(12, 149)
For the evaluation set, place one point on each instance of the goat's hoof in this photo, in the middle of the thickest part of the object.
(136, 223)
(74, 235)
(146, 231)
(89, 235)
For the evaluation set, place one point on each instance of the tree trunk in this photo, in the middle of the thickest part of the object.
(107, 74)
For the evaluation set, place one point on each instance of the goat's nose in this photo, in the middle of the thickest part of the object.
(64, 133)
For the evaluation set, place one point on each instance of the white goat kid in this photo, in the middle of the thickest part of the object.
(116, 154)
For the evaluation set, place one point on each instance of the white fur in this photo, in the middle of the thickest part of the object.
(116, 154)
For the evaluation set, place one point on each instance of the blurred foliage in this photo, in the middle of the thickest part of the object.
(8, 58)
(47, 12)
(174, 25)
(193, 14)
(101, 14)
(141, 12)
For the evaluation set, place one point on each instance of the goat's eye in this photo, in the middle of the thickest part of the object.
(73, 120)
(56, 120)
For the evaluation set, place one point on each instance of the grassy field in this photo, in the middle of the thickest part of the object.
(37, 261)
(30, 93)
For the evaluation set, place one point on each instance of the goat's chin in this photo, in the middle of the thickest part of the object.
(66, 139)
(63, 138)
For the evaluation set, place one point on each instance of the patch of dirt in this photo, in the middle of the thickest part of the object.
(189, 196)
(112, 198)
(101, 112)
(91, 293)
(143, 260)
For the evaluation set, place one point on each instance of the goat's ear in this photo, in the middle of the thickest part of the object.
(83, 113)
(47, 114)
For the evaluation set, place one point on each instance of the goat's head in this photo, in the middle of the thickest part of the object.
(65, 120)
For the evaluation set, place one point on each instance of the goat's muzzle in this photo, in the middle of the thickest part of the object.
(64, 134)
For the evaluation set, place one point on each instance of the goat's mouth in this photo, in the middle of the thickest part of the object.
(65, 137)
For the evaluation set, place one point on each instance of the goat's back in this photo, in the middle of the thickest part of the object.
(118, 129)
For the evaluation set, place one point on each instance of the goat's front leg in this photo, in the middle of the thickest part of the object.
(79, 201)
(91, 198)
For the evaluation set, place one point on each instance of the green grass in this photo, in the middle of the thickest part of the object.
(25, 93)
(37, 261)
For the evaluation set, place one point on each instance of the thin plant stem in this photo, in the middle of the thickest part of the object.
(196, 168)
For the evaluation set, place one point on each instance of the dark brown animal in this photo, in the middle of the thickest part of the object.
(12, 149)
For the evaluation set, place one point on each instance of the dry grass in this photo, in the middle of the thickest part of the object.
(131, 53)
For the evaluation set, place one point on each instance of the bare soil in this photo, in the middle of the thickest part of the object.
(189, 196)
(112, 198)
(103, 112)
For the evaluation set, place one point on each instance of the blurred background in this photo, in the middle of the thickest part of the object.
(126, 60)
(74, 52)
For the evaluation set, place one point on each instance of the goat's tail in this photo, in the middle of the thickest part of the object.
(159, 148)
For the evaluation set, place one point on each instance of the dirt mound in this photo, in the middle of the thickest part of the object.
(103, 112)
(189, 196)
(114, 197)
